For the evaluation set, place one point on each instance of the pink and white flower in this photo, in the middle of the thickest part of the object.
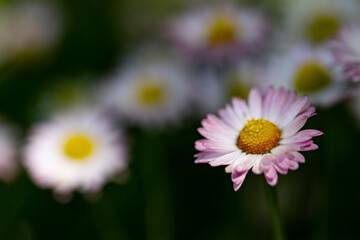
(346, 49)
(262, 135)
(217, 34)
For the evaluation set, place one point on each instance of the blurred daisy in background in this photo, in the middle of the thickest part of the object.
(308, 70)
(262, 135)
(317, 21)
(346, 49)
(152, 90)
(28, 28)
(9, 165)
(219, 33)
(78, 150)
(241, 79)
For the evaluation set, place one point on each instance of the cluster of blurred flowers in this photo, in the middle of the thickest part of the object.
(212, 53)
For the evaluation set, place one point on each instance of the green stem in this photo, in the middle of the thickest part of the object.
(277, 225)
(157, 187)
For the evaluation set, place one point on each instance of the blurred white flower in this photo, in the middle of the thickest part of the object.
(28, 27)
(317, 21)
(346, 49)
(241, 79)
(8, 163)
(150, 91)
(219, 33)
(77, 150)
(308, 71)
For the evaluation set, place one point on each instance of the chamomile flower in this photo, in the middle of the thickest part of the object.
(28, 27)
(77, 150)
(307, 70)
(8, 163)
(149, 93)
(219, 33)
(318, 21)
(346, 49)
(262, 135)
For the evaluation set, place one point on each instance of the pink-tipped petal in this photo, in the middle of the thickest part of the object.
(225, 159)
(238, 179)
(295, 126)
(293, 111)
(268, 100)
(271, 176)
(255, 103)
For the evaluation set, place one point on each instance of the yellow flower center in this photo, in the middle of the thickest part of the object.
(258, 136)
(151, 93)
(78, 147)
(311, 77)
(323, 28)
(221, 32)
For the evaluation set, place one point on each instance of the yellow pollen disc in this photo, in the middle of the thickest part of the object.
(221, 32)
(258, 136)
(311, 77)
(78, 147)
(323, 28)
(151, 93)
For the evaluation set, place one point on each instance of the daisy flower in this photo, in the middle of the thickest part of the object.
(307, 70)
(318, 21)
(28, 27)
(77, 150)
(149, 93)
(346, 49)
(8, 164)
(262, 135)
(219, 33)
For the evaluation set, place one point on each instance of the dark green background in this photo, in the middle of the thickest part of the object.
(167, 196)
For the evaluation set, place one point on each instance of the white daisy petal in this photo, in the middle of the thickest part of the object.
(255, 103)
